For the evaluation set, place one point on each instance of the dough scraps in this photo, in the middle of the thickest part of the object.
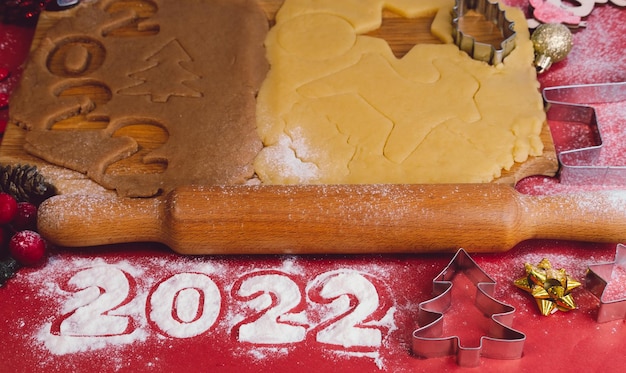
(188, 70)
(338, 107)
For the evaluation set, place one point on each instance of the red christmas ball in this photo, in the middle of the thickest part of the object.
(27, 247)
(26, 217)
(5, 234)
(8, 208)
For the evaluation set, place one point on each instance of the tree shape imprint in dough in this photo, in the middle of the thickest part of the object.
(165, 76)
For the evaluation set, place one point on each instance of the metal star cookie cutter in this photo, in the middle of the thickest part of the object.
(570, 104)
(500, 342)
(478, 50)
(596, 281)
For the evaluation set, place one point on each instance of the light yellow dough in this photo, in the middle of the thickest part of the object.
(338, 107)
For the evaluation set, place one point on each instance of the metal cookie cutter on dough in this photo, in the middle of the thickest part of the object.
(478, 50)
(501, 341)
(596, 281)
(571, 104)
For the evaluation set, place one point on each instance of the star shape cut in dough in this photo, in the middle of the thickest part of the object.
(412, 30)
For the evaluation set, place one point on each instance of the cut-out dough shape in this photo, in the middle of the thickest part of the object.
(76, 56)
(339, 107)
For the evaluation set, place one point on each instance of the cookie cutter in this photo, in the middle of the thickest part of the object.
(598, 277)
(478, 50)
(500, 342)
(571, 104)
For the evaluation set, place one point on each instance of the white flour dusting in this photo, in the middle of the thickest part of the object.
(108, 304)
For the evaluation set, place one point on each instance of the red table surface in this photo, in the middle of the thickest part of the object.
(135, 292)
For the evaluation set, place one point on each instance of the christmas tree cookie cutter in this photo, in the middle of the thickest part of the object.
(500, 342)
(597, 279)
(478, 50)
(571, 104)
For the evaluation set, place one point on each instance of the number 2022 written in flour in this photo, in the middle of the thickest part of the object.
(107, 305)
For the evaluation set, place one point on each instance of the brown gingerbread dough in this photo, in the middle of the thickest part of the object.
(189, 68)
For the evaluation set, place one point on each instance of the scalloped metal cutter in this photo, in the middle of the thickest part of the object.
(478, 50)
(570, 105)
(500, 341)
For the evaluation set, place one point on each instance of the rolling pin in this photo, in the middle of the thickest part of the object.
(324, 219)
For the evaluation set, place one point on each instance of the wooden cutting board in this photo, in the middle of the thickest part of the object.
(401, 34)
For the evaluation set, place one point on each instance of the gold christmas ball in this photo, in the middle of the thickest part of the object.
(552, 43)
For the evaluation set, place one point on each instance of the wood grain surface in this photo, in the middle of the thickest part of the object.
(333, 219)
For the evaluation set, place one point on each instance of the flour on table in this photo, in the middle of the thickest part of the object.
(104, 305)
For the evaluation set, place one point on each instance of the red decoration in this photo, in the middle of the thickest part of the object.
(27, 248)
(21, 11)
(26, 217)
(8, 208)
(4, 73)
(4, 98)
(547, 12)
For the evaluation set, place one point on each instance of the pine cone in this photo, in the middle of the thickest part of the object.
(25, 184)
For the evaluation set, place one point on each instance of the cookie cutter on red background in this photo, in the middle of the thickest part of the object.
(598, 277)
(571, 104)
(478, 50)
(500, 342)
